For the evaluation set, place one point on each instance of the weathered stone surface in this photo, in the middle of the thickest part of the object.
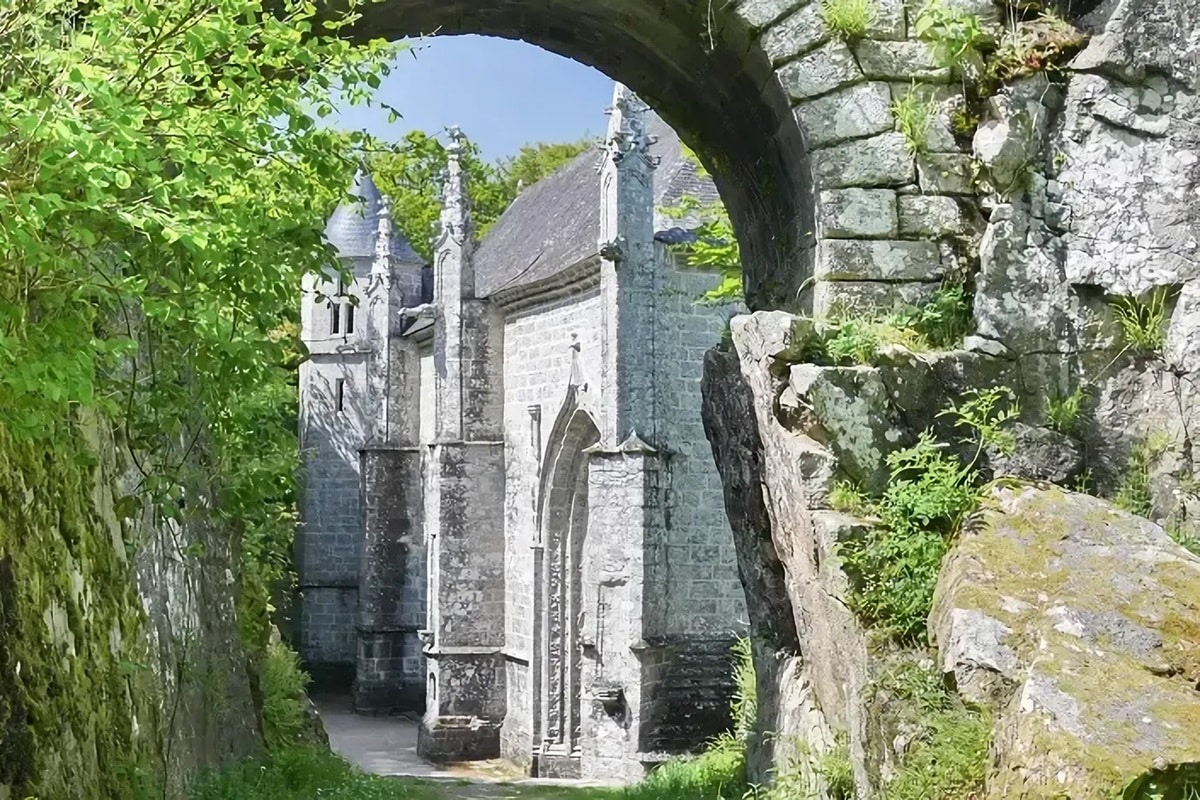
(858, 213)
(882, 160)
(865, 296)
(849, 407)
(861, 110)
(1040, 454)
(1008, 142)
(825, 692)
(930, 215)
(760, 12)
(856, 259)
(1077, 623)
(899, 61)
(795, 34)
(823, 70)
(945, 173)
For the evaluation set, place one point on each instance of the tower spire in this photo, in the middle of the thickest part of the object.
(456, 203)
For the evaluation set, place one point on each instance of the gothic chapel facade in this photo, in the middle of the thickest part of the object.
(510, 516)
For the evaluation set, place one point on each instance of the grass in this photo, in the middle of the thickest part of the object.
(849, 337)
(314, 774)
(913, 117)
(1063, 414)
(949, 756)
(849, 19)
(1143, 320)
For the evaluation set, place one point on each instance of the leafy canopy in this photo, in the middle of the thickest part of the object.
(163, 185)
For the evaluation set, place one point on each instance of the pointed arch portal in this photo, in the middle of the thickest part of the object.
(560, 578)
(699, 65)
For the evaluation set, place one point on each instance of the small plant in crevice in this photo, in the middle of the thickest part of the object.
(848, 337)
(848, 19)
(914, 114)
(1133, 493)
(1034, 45)
(894, 568)
(1064, 412)
(956, 36)
(1143, 320)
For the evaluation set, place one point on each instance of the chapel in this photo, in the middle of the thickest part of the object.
(510, 518)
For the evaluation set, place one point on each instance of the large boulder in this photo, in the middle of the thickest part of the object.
(1079, 624)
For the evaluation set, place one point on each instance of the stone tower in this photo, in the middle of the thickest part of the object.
(465, 488)
(359, 557)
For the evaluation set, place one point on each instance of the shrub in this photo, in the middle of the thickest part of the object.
(849, 19)
(283, 686)
(895, 566)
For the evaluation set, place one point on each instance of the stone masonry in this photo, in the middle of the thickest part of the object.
(528, 491)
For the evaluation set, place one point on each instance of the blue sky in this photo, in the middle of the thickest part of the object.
(502, 93)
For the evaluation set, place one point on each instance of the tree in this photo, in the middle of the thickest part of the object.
(537, 161)
(410, 173)
(165, 186)
(715, 247)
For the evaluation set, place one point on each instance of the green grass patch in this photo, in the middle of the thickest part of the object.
(848, 336)
(949, 755)
(848, 19)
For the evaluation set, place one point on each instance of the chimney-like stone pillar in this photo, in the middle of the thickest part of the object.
(630, 275)
(465, 533)
(389, 674)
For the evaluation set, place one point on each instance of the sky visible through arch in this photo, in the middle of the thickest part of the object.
(502, 93)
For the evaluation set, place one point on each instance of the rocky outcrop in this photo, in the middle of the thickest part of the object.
(1079, 624)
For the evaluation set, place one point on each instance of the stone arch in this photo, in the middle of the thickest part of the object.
(562, 528)
(703, 66)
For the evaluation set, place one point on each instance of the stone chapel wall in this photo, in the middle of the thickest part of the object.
(329, 538)
(538, 358)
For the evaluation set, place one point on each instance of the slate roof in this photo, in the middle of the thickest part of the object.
(555, 223)
(351, 228)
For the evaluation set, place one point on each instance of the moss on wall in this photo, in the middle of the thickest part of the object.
(78, 706)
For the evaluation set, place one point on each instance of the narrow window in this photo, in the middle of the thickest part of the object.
(349, 318)
(339, 388)
(335, 316)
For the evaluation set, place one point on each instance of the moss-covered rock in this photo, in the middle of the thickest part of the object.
(1079, 624)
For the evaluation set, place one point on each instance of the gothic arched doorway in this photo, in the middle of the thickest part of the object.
(561, 581)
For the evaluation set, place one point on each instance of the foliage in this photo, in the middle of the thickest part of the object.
(895, 566)
(537, 161)
(949, 756)
(715, 247)
(848, 498)
(1133, 494)
(166, 182)
(1063, 413)
(955, 34)
(283, 684)
(834, 766)
(984, 414)
(848, 337)
(410, 173)
(913, 117)
(1029, 46)
(1143, 320)
(744, 704)
(848, 19)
